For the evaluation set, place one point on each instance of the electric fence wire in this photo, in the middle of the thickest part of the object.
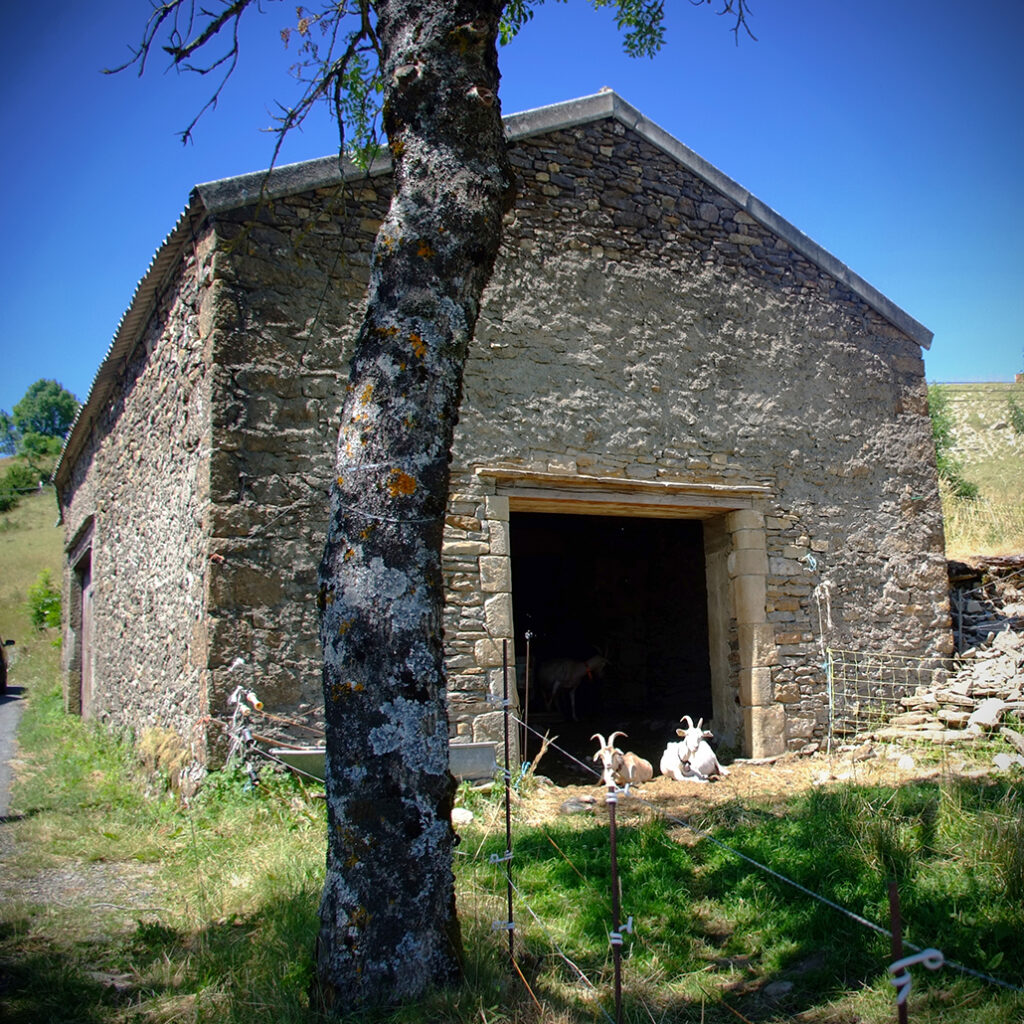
(554, 945)
(704, 834)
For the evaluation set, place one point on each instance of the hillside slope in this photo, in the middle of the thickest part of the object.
(991, 451)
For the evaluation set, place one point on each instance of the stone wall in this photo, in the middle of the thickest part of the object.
(136, 506)
(292, 274)
(640, 326)
(640, 330)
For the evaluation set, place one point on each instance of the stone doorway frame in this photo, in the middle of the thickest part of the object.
(736, 560)
(79, 621)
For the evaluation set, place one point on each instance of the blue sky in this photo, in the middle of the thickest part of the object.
(892, 133)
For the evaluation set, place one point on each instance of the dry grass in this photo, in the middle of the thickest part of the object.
(981, 527)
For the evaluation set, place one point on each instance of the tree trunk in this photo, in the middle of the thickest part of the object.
(388, 926)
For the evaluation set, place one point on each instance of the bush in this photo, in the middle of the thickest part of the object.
(44, 601)
(1016, 416)
(18, 480)
(950, 468)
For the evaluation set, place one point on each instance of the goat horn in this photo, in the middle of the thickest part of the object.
(688, 720)
(611, 739)
(597, 736)
(700, 722)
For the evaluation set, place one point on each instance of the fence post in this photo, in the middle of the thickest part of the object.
(830, 688)
(526, 711)
(896, 930)
(508, 807)
(616, 935)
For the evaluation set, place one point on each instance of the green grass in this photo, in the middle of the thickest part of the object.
(30, 542)
(710, 926)
(229, 887)
(119, 904)
(990, 453)
(208, 912)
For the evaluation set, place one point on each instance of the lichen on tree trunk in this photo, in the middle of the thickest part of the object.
(388, 926)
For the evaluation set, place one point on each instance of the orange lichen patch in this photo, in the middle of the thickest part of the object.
(425, 250)
(341, 481)
(386, 332)
(345, 689)
(344, 627)
(367, 394)
(400, 484)
(397, 148)
(418, 345)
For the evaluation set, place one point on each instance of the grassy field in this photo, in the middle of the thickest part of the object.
(30, 542)
(991, 452)
(119, 904)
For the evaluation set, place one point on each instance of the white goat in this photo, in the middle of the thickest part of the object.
(567, 674)
(673, 761)
(621, 769)
(698, 755)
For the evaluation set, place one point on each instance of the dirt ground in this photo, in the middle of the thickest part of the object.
(748, 782)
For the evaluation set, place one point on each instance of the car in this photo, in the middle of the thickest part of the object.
(3, 663)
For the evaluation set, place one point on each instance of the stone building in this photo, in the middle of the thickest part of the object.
(691, 439)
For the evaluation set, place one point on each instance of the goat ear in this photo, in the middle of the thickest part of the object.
(680, 732)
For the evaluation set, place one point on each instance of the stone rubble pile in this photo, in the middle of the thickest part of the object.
(988, 685)
(986, 598)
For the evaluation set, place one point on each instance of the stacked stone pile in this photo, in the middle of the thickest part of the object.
(987, 597)
(987, 602)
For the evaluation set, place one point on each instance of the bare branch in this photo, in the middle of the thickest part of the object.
(233, 13)
(739, 9)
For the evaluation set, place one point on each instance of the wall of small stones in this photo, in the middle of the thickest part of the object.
(141, 488)
(638, 327)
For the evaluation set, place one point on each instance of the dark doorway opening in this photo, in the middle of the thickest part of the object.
(631, 589)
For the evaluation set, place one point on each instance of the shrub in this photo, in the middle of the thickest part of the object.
(950, 468)
(44, 601)
(1016, 414)
(18, 480)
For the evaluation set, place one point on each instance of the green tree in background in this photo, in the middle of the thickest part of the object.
(47, 409)
(44, 602)
(34, 431)
(8, 434)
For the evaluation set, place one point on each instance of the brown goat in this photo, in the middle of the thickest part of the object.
(621, 769)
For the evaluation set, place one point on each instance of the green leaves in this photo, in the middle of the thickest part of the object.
(44, 602)
(640, 21)
(47, 409)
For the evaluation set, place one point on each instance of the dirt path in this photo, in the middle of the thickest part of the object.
(11, 705)
(868, 764)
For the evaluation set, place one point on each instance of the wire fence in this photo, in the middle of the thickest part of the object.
(867, 689)
(533, 929)
(605, 986)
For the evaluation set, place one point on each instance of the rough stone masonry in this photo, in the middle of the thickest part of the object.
(655, 343)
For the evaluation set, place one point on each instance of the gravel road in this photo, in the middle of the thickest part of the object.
(11, 704)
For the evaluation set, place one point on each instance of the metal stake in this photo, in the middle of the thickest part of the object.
(508, 807)
(896, 928)
(612, 799)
